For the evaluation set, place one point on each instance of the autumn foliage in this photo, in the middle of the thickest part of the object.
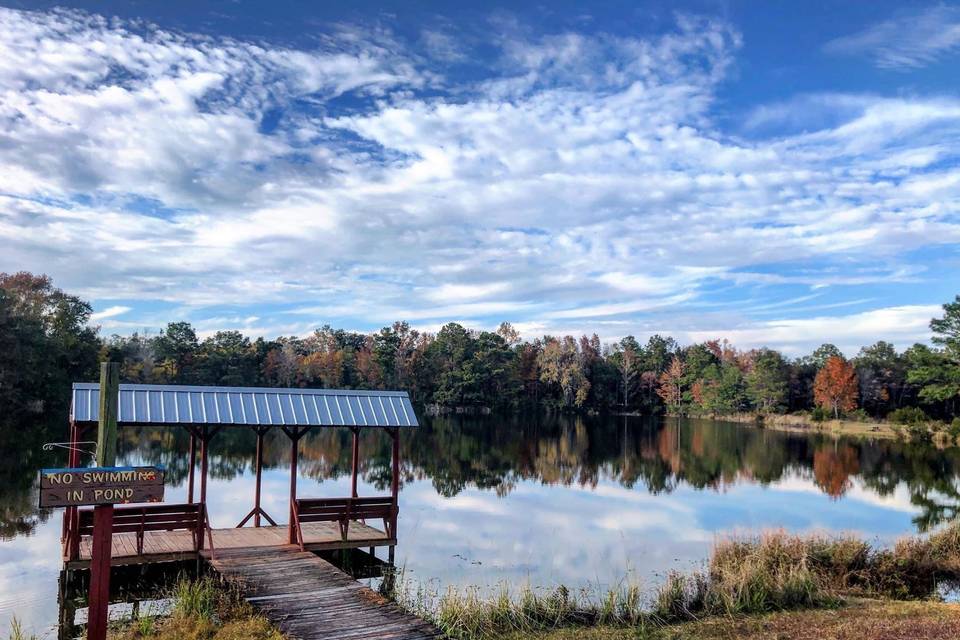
(671, 389)
(836, 386)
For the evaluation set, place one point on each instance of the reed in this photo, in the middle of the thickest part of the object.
(473, 613)
(17, 632)
(774, 571)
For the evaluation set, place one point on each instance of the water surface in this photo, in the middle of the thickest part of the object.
(539, 500)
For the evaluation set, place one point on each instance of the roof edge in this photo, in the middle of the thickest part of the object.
(212, 388)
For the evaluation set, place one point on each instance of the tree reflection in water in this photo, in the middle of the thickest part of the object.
(497, 453)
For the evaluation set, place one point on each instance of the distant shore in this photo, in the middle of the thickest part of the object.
(801, 423)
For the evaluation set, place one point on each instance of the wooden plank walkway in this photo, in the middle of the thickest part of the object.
(308, 598)
(165, 546)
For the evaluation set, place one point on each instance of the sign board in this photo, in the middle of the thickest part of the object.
(100, 485)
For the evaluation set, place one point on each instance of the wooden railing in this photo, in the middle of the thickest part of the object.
(141, 519)
(342, 511)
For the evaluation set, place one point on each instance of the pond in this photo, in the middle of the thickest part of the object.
(586, 502)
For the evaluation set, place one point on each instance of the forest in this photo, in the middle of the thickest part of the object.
(47, 342)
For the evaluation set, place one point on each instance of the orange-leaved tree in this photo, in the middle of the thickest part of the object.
(670, 388)
(836, 386)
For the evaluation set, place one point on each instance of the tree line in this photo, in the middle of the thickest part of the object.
(46, 342)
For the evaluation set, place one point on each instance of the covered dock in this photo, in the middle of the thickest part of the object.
(158, 533)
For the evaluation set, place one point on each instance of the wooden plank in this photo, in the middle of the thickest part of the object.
(308, 598)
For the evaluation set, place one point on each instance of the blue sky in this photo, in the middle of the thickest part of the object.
(779, 174)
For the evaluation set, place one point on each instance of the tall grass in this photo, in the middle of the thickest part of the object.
(17, 632)
(770, 572)
(196, 598)
(473, 613)
(202, 609)
(777, 571)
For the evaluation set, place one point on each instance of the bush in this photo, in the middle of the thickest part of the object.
(820, 414)
(954, 429)
(859, 415)
(907, 415)
(919, 432)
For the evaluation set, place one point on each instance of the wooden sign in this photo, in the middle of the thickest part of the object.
(100, 485)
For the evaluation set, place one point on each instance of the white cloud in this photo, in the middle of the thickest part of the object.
(906, 41)
(109, 312)
(903, 326)
(581, 184)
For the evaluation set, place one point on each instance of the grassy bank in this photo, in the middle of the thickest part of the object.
(744, 579)
(939, 434)
(857, 620)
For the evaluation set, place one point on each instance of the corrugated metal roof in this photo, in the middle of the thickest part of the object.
(175, 404)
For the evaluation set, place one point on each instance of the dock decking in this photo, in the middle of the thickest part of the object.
(162, 546)
(308, 598)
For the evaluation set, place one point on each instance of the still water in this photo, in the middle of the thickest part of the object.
(539, 500)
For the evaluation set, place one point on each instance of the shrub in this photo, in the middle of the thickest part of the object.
(907, 415)
(919, 432)
(820, 414)
(859, 415)
(954, 429)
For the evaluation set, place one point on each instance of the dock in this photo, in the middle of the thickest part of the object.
(308, 598)
(171, 546)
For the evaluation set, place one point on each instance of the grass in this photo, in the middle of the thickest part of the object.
(778, 571)
(201, 610)
(937, 433)
(762, 575)
(474, 613)
(17, 632)
(858, 620)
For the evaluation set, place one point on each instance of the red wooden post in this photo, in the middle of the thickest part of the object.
(395, 484)
(294, 442)
(99, 597)
(193, 464)
(203, 467)
(355, 462)
(256, 491)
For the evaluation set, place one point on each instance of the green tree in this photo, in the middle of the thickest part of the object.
(937, 372)
(227, 358)
(767, 381)
(176, 349)
(882, 373)
(562, 367)
(823, 353)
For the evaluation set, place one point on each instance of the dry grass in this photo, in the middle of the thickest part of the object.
(202, 610)
(475, 614)
(774, 572)
(861, 620)
(778, 571)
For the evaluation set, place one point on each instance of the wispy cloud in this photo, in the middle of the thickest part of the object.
(580, 181)
(110, 312)
(909, 40)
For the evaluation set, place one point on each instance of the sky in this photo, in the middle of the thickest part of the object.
(778, 174)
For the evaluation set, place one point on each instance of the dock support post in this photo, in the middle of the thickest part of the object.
(203, 467)
(193, 465)
(99, 596)
(395, 489)
(257, 510)
(294, 433)
(355, 462)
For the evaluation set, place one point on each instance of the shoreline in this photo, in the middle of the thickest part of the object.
(796, 423)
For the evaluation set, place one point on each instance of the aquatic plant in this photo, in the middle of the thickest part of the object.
(17, 632)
